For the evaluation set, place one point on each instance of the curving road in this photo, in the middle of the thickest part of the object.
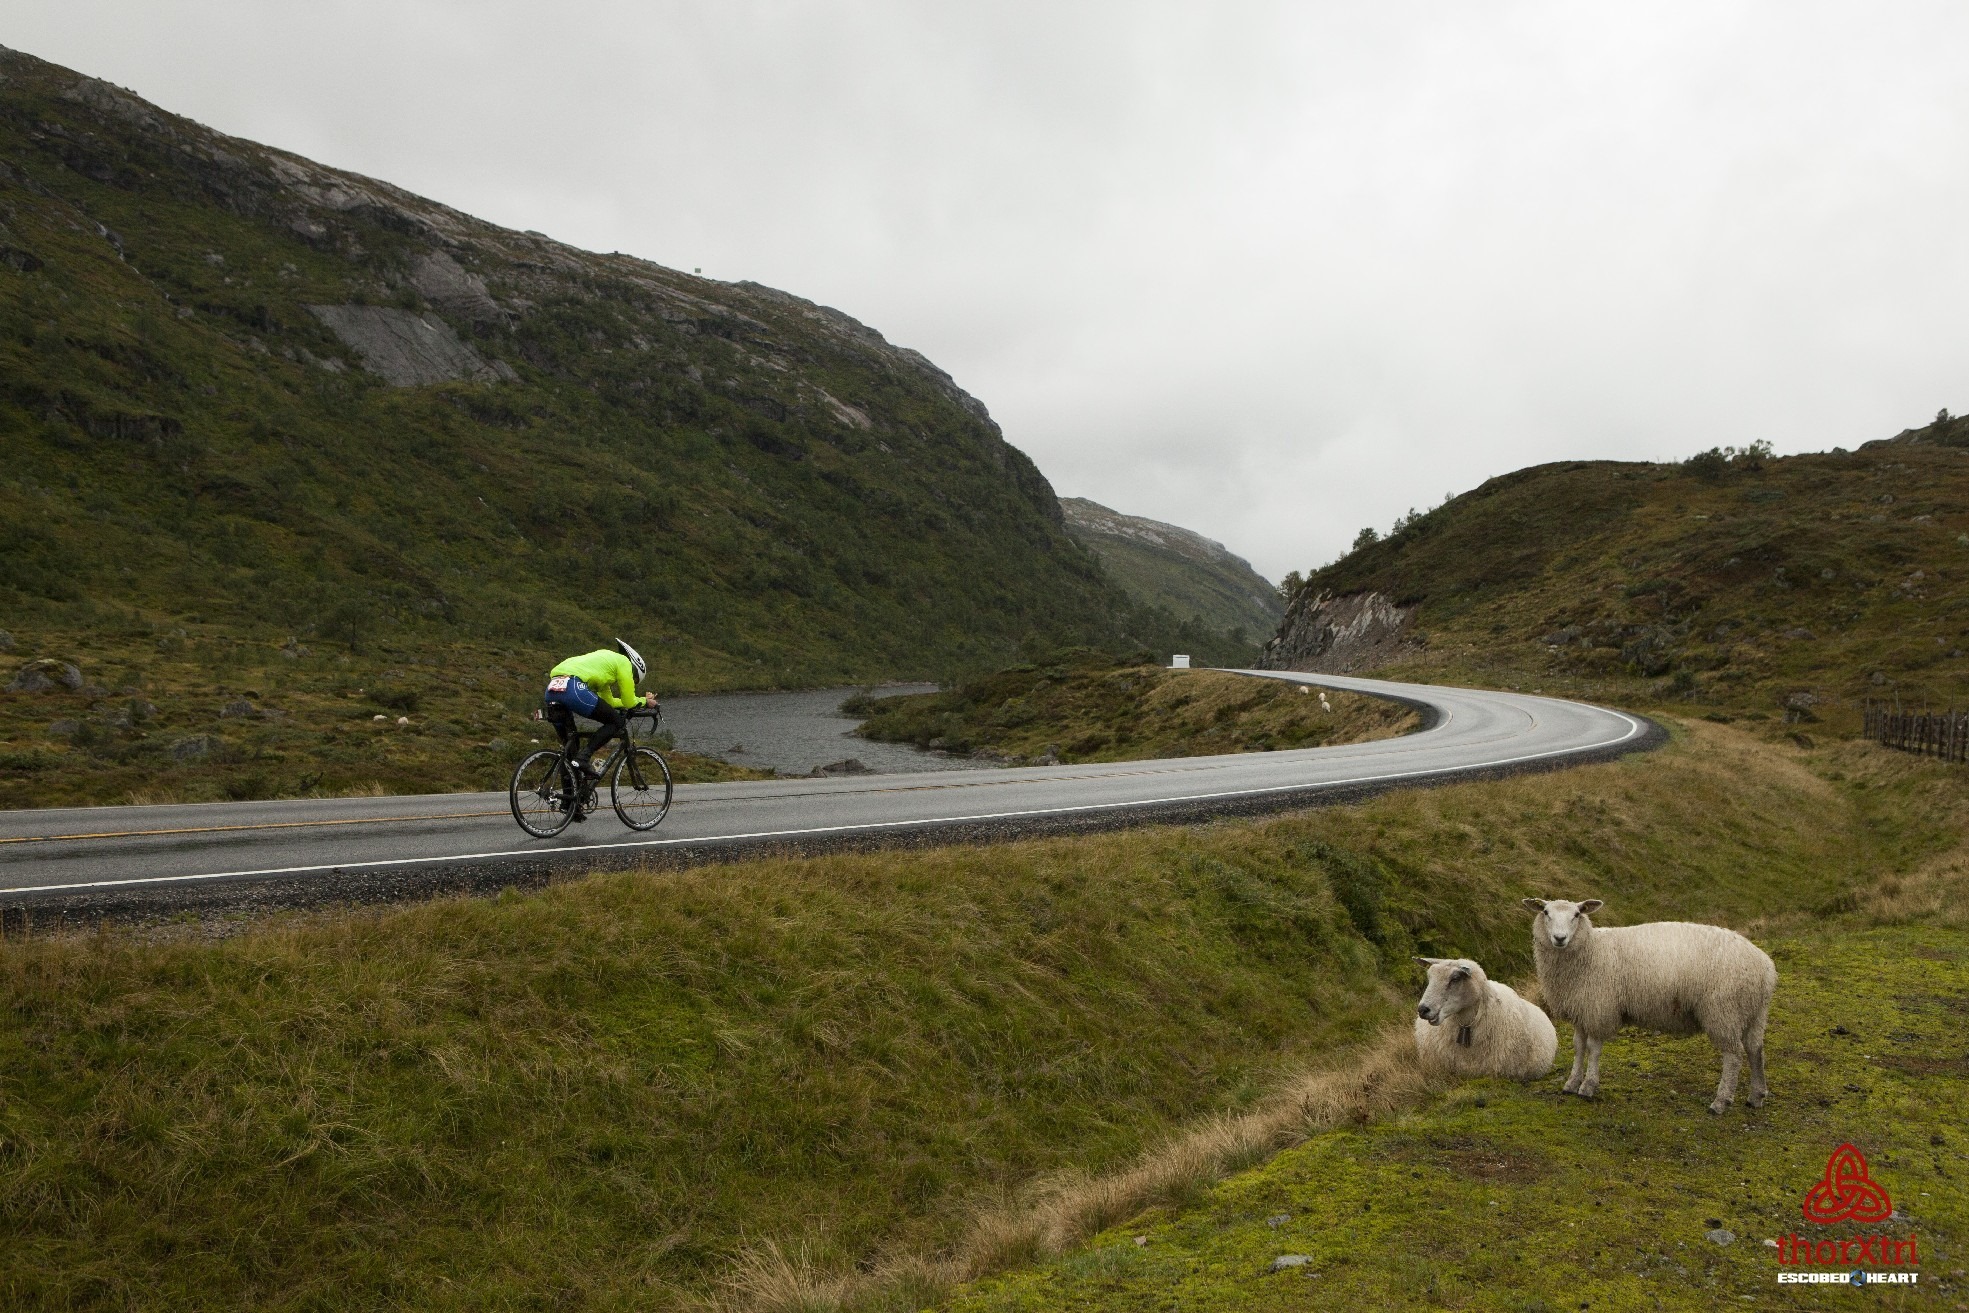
(113, 860)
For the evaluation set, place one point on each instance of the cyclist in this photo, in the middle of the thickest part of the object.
(600, 685)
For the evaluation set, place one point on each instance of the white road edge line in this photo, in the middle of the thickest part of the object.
(1633, 728)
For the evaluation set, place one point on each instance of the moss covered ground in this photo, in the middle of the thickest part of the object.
(625, 1090)
(1090, 706)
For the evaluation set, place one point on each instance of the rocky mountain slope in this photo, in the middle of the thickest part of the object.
(279, 433)
(1791, 589)
(238, 383)
(1174, 568)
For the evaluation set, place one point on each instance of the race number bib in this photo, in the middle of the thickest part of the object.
(558, 684)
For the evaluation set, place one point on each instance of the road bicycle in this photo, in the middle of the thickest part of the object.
(548, 794)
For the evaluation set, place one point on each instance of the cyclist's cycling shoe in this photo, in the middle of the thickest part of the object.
(589, 768)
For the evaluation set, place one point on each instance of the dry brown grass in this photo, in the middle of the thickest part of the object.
(1367, 1083)
(1934, 893)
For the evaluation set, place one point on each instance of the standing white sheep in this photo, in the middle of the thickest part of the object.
(1469, 1025)
(1676, 977)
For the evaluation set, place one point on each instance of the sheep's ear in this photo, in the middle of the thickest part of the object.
(1428, 961)
(1535, 904)
(1461, 973)
(1591, 906)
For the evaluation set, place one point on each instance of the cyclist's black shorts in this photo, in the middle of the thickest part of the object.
(561, 717)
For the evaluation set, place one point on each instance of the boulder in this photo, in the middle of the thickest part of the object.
(45, 675)
(852, 766)
(235, 709)
(196, 748)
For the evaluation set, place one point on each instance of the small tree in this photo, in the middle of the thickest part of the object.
(348, 621)
(1289, 587)
(1365, 538)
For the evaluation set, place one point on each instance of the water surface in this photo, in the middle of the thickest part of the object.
(793, 733)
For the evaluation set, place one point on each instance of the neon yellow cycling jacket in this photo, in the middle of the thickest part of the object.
(608, 673)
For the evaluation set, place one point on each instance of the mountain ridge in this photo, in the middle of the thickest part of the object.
(1175, 568)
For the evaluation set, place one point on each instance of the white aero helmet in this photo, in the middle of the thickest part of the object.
(635, 659)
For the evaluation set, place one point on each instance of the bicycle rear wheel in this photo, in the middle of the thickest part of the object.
(639, 786)
(540, 795)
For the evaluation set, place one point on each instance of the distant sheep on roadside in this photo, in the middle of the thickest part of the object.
(1469, 1025)
(1676, 977)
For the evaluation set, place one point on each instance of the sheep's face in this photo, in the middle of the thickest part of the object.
(1455, 985)
(1559, 922)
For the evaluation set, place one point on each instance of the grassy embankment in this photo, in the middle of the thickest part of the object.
(1087, 706)
(197, 713)
(863, 1077)
(1778, 591)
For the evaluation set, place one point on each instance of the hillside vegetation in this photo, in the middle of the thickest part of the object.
(1787, 589)
(273, 426)
(1176, 569)
(1087, 706)
(848, 1081)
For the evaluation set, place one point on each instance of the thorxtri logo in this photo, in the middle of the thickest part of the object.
(1848, 1193)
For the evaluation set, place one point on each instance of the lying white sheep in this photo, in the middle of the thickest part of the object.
(1469, 1025)
(1672, 976)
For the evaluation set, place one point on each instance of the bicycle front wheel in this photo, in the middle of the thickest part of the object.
(540, 795)
(640, 789)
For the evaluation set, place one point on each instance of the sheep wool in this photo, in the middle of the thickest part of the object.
(1469, 1025)
(1676, 977)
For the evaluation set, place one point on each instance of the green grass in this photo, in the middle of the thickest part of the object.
(630, 1088)
(1088, 706)
(1501, 1196)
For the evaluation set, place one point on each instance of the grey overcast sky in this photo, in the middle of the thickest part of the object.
(1273, 271)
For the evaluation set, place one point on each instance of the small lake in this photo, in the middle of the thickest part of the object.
(793, 733)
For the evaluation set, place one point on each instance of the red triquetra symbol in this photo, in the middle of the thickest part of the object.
(1847, 1194)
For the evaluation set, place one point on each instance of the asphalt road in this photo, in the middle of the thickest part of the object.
(143, 860)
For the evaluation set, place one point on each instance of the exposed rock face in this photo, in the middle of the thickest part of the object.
(453, 289)
(408, 350)
(1339, 635)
